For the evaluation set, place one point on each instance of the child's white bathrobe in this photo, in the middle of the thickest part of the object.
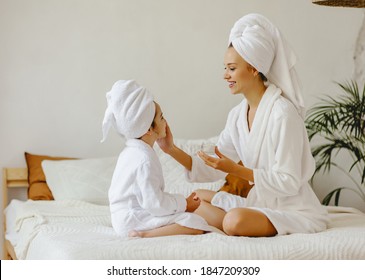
(137, 197)
(277, 149)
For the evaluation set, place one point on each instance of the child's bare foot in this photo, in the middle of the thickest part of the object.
(134, 233)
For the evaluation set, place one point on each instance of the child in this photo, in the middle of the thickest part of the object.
(138, 204)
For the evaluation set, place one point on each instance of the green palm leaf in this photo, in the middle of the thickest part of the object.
(340, 123)
(328, 197)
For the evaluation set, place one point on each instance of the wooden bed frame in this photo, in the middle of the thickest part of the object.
(12, 178)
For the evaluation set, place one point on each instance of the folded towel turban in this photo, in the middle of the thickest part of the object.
(130, 109)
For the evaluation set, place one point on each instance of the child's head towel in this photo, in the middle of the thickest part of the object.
(130, 110)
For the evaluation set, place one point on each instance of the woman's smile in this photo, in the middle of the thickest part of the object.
(231, 84)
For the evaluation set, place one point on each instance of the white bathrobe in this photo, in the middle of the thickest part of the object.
(137, 197)
(277, 150)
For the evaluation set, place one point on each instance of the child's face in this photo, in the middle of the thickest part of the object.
(160, 123)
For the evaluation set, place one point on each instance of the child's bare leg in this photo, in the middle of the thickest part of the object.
(205, 195)
(173, 229)
(213, 215)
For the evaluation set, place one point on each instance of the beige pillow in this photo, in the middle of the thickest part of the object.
(236, 185)
(38, 188)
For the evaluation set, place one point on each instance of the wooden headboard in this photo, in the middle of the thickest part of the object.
(12, 178)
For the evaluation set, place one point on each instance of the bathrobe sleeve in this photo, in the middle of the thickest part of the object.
(150, 195)
(200, 172)
(284, 177)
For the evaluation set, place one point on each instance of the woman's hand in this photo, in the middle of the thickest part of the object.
(167, 143)
(221, 163)
(192, 202)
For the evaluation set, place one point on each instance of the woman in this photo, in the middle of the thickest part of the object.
(266, 132)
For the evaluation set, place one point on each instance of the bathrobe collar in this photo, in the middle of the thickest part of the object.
(259, 125)
(139, 144)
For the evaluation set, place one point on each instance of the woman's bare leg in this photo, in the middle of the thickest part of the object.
(213, 215)
(173, 229)
(247, 222)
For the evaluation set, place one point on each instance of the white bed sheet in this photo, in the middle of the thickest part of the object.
(80, 230)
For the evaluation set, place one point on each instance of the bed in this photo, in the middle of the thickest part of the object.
(76, 224)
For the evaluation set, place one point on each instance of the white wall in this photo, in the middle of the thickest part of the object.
(59, 58)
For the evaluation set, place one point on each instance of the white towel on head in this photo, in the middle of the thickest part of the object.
(256, 46)
(261, 44)
(130, 110)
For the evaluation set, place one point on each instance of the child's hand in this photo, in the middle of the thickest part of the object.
(192, 202)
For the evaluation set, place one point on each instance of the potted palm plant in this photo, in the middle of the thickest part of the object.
(339, 123)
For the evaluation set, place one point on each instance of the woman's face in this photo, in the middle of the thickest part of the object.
(160, 123)
(238, 73)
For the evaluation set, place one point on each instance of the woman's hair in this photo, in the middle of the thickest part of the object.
(262, 76)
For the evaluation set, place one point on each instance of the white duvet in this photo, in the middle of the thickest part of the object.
(80, 230)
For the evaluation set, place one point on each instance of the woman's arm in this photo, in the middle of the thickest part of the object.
(181, 157)
(167, 145)
(227, 165)
(200, 173)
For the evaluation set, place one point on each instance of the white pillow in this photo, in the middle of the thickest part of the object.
(81, 179)
(174, 173)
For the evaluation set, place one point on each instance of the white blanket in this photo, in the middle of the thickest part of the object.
(80, 230)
